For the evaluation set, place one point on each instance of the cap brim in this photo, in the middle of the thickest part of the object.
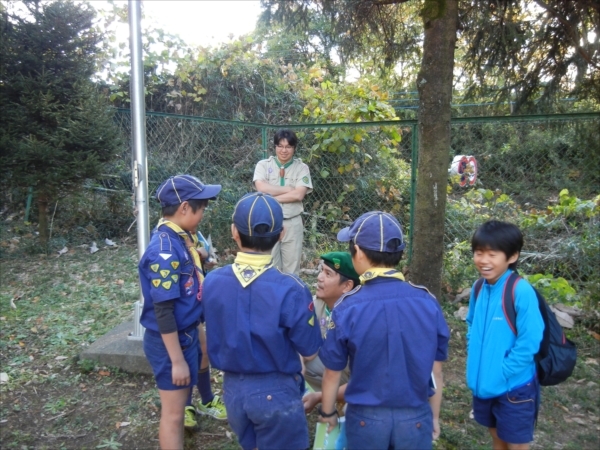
(344, 235)
(209, 192)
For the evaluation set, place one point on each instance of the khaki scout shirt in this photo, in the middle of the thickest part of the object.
(296, 175)
(322, 316)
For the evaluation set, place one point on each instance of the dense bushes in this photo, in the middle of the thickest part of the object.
(561, 242)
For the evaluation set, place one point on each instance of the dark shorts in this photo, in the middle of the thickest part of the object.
(513, 414)
(377, 427)
(158, 357)
(265, 410)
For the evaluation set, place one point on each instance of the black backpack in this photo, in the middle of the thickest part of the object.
(556, 357)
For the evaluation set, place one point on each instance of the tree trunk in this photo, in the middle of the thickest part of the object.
(434, 83)
(43, 220)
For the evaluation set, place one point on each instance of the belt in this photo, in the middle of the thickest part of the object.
(186, 331)
(190, 328)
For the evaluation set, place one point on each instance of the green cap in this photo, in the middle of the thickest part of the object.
(341, 262)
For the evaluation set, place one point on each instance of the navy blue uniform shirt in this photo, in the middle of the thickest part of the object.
(392, 333)
(260, 328)
(167, 273)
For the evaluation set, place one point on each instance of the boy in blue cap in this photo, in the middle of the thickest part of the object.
(258, 321)
(171, 279)
(393, 333)
(500, 362)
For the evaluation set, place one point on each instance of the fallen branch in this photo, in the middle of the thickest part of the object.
(60, 415)
(66, 436)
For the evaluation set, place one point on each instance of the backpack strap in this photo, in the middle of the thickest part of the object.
(508, 300)
(477, 288)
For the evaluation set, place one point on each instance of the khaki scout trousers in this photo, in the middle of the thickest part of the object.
(287, 253)
(314, 374)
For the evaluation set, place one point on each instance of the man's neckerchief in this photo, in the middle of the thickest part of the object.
(192, 244)
(384, 272)
(282, 168)
(326, 321)
(247, 267)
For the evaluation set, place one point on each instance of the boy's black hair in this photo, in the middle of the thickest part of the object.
(194, 203)
(262, 244)
(286, 134)
(501, 236)
(385, 259)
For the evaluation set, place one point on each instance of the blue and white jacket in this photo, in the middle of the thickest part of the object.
(497, 360)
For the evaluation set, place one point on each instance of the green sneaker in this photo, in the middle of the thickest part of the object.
(215, 409)
(189, 420)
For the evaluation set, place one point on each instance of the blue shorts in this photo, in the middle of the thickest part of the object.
(513, 414)
(378, 427)
(265, 410)
(158, 357)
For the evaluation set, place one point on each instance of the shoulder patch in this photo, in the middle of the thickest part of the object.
(348, 294)
(305, 180)
(418, 286)
(165, 243)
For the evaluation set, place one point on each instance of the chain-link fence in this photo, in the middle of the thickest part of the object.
(531, 159)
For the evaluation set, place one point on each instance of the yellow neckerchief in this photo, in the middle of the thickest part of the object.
(247, 267)
(385, 272)
(191, 243)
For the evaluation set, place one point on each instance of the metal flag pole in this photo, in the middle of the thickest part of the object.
(139, 155)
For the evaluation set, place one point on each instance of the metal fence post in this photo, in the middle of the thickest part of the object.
(264, 142)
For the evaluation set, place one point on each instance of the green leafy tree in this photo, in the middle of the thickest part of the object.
(55, 130)
(531, 52)
(523, 48)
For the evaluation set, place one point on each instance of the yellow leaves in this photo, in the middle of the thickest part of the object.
(357, 138)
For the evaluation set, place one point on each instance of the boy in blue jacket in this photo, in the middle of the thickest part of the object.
(259, 321)
(500, 365)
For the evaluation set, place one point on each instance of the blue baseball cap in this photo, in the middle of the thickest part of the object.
(374, 231)
(255, 209)
(180, 188)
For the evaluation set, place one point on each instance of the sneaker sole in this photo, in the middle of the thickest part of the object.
(202, 413)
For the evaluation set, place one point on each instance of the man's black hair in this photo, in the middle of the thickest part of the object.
(194, 203)
(385, 259)
(286, 134)
(501, 236)
(261, 244)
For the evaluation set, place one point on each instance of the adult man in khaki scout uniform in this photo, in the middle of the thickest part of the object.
(336, 278)
(288, 180)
